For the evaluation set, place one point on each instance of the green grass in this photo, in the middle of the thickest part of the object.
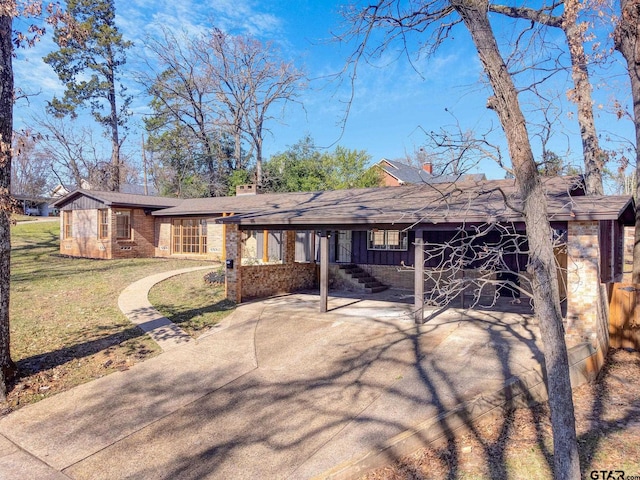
(66, 327)
(191, 302)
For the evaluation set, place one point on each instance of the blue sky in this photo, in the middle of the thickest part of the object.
(393, 104)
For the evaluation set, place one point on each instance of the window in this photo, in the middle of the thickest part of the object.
(123, 224)
(189, 235)
(103, 224)
(67, 223)
(388, 240)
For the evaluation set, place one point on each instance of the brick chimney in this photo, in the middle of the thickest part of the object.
(428, 167)
(249, 189)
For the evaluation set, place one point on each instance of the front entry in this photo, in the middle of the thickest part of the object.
(344, 247)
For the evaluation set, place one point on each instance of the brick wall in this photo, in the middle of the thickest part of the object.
(163, 237)
(233, 276)
(84, 241)
(587, 304)
(141, 244)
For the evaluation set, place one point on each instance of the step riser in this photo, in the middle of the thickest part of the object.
(362, 280)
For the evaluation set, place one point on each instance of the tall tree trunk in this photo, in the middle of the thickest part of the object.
(114, 173)
(593, 154)
(7, 367)
(627, 38)
(541, 260)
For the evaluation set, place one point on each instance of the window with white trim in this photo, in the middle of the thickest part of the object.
(388, 240)
(123, 224)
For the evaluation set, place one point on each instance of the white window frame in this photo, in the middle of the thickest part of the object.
(388, 240)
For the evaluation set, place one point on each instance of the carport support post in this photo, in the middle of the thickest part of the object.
(324, 270)
(418, 282)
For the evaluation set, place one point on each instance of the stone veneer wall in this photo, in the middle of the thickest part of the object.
(627, 253)
(267, 280)
(255, 281)
(233, 276)
(402, 278)
(587, 300)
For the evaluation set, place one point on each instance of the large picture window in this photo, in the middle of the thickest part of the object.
(123, 224)
(189, 235)
(67, 224)
(103, 224)
(388, 240)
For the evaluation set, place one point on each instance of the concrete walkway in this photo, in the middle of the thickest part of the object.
(134, 303)
(277, 391)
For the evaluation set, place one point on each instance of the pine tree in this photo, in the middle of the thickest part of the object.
(88, 65)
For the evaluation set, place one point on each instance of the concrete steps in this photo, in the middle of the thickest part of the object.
(361, 279)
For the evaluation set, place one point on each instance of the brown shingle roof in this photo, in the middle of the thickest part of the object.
(431, 204)
(119, 199)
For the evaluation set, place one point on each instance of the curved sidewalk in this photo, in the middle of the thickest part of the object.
(134, 303)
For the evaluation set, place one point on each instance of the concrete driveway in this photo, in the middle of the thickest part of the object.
(278, 390)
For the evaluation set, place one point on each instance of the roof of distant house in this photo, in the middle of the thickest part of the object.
(407, 174)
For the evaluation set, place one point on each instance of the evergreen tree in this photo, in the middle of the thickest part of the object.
(88, 65)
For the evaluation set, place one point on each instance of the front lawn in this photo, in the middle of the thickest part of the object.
(66, 327)
(190, 302)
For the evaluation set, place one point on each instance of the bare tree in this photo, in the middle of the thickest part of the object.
(627, 42)
(574, 30)
(187, 112)
(30, 172)
(250, 79)
(74, 157)
(434, 20)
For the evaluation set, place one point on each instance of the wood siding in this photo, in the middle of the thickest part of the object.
(83, 203)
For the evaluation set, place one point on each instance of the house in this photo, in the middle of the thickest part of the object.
(380, 229)
(277, 243)
(395, 174)
(33, 205)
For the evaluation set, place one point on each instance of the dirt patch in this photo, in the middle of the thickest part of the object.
(519, 445)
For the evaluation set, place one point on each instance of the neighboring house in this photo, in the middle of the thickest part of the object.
(395, 173)
(33, 206)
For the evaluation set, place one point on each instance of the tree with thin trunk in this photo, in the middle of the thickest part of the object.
(74, 156)
(627, 42)
(89, 66)
(574, 30)
(437, 18)
(250, 80)
(185, 127)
